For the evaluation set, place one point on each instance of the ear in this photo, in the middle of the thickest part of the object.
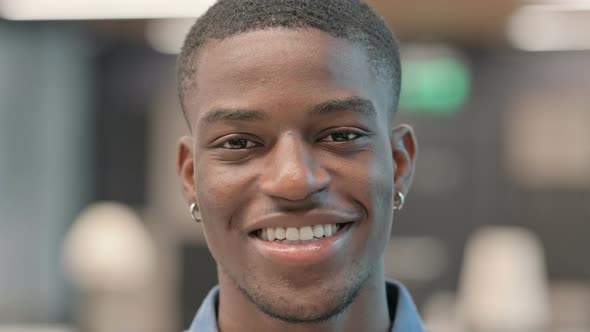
(404, 148)
(185, 167)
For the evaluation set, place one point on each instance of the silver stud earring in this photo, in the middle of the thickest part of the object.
(194, 213)
(399, 201)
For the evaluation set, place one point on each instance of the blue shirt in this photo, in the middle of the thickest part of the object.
(403, 312)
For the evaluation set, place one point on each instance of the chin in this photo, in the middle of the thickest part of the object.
(304, 309)
(309, 305)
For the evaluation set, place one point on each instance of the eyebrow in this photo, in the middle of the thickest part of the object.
(353, 104)
(232, 114)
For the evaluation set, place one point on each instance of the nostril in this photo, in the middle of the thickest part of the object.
(294, 189)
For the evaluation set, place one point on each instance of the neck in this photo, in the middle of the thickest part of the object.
(368, 312)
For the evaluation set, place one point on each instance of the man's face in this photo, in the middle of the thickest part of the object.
(291, 131)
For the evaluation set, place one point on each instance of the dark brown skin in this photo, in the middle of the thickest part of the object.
(274, 154)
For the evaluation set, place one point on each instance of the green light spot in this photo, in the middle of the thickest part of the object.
(437, 87)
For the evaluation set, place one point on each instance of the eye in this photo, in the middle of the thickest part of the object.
(342, 136)
(238, 144)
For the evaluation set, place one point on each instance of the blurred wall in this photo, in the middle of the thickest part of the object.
(44, 165)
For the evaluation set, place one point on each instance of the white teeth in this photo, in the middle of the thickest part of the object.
(270, 234)
(305, 233)
(318, 231)
(280, 233)
(292, 234)
(328, 230)
(263, 234)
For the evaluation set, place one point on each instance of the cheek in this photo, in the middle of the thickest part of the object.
(213, 190)
(381, 195)
(219, 193)
(379, 201)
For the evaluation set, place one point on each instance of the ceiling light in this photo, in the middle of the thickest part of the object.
(551, 26)
(101, 9)
(167, 35)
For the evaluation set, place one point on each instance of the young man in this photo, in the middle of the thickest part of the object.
(294, 167)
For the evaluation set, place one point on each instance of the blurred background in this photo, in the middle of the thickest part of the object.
(94, 233)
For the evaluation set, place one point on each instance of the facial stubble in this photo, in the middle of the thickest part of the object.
(278, 306)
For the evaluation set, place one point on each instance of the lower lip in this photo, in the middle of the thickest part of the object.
(305, 253)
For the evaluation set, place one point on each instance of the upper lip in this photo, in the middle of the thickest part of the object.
(301, 219)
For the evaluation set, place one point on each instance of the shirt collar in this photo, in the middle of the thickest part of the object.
(406, 317)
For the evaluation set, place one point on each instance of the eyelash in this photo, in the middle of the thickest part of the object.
(237, 139)
(347, 133)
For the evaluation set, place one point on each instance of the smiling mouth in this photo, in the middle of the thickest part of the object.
(300, 235)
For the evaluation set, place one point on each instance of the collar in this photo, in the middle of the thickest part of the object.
(406, 318)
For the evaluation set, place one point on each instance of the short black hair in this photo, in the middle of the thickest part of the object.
(353, 20)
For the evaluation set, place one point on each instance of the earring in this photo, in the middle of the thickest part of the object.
(193, 210)
(398, 201)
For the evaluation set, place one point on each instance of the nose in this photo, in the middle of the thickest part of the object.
(292, 173)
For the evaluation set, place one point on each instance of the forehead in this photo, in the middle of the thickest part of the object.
(282, 65)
